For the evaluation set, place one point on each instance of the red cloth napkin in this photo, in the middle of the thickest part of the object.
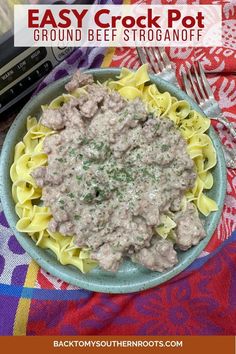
(200, 301)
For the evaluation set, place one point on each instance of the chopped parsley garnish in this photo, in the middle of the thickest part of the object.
(88, 197)
(79, 178)
(71, 151)
(139, 238)
(120, 175)
(150, 115)
(100, 194)
(98, 145)
(85, 141)
(125, 112)
(137, 117)
(164, 147)
(86, 164)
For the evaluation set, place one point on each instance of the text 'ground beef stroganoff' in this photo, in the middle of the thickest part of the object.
(113, 171)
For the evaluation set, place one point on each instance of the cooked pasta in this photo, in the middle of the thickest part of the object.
(34, 218)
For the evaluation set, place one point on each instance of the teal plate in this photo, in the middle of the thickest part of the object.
(130, 277)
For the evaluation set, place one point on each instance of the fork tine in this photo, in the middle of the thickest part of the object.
(164, 56)
(158, 59)
(157, 63)
(201, 87)
(187, 85)
(199, 100)
(153, 63)
(141, 54)
(144, 59)
(205, 81)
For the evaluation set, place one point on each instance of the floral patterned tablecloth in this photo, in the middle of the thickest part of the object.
(201, 300)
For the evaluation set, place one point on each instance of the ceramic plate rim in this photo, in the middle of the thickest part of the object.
(67, 273)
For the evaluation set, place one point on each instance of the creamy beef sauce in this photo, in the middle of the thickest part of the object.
(113, 170)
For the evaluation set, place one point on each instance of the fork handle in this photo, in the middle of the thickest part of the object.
(227, 124)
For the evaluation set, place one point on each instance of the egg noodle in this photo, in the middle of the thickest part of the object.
(29, 155)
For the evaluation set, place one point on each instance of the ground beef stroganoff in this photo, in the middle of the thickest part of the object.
(113, 170)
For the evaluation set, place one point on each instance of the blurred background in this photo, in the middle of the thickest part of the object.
(22, 69)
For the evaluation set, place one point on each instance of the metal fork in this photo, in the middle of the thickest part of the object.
(197, 87)
(159, 63)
